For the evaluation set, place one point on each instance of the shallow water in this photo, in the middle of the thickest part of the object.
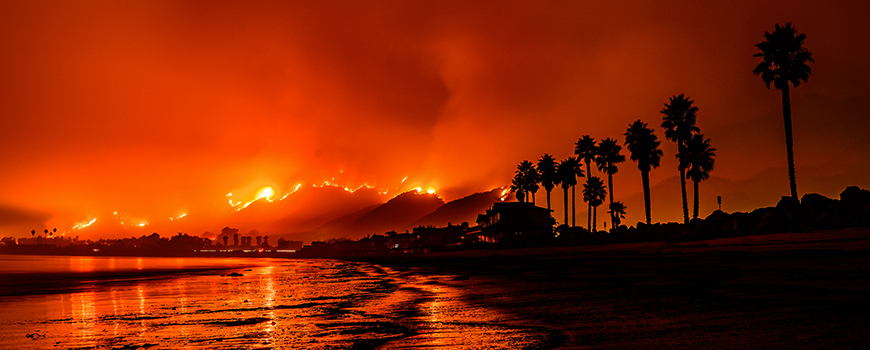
(289, 304)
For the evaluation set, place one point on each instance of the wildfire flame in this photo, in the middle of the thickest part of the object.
(347, 189)
(82, 224)
(419, 190)
(264, 193)
(291, 192)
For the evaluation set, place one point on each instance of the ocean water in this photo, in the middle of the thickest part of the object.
(273, 304)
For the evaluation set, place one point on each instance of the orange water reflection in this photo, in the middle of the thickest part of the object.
(82, 264)
(287, 305)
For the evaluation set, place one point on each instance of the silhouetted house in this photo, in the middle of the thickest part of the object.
(403, 242)
(513, 220)
(374, 244)
(439, 237)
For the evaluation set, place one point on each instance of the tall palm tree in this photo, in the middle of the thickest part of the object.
(586, 150)
(557, 181)
(578, 172)
(783, 60)
(528, 177)
(608, 157)
(547, 174)
(594, 192)
(643, 144)
(32, 233)
(566, 172)
(617, 211)
(679, 124)
(699, 157)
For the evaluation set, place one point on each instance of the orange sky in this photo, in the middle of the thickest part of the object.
(157, 109)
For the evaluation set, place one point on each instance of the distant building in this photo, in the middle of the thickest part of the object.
(513, 220)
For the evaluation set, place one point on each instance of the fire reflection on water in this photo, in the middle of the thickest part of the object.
(268, 302)
(84, 315)
(82, 264)
(290, 304)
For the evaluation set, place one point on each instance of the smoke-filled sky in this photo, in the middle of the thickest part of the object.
(153, 109)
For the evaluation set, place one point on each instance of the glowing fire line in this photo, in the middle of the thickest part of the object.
(82, 225)
(265, 193)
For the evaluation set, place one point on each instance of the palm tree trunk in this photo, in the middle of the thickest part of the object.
(685, 200)
(682, 150)
(695, 209)
(566, 204)
(644, 176)
(789, 143)
(548, 200)
(589, 208)
(594, 217)
(573, 205)
(610, 189)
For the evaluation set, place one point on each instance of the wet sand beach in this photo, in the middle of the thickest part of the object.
(801, 290)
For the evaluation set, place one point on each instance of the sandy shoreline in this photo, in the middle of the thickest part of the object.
(801, 290)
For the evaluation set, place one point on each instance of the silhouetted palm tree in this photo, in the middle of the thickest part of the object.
(643, 144)
(528, 177)
(608, 157)
(46, 232)
(54, 230)
(699, 157)
(578, 172)
(547, 174)
(32, 233)
(679, 124)
(586, 150)
(594, 192)
(518, 186)
(617, 211)
(532, 181)
(783, 60)
(566, 173)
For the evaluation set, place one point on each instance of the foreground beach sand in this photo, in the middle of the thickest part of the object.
(790, 290)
